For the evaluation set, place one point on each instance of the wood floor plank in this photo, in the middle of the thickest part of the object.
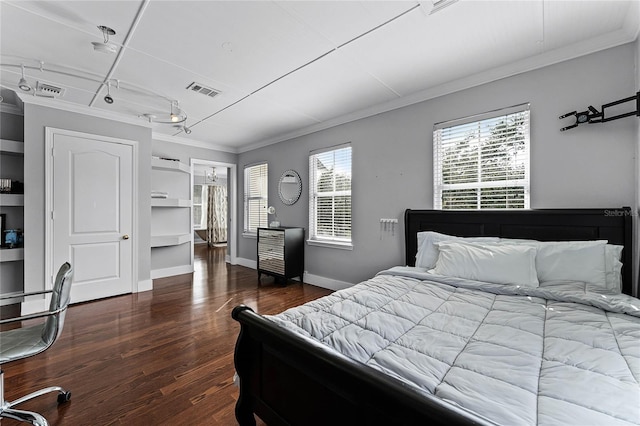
(159, 357)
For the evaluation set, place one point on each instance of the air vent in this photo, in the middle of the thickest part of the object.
(48, 90)
(202, 89)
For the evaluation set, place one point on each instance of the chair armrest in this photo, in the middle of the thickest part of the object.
(16, 295)
(32, 316)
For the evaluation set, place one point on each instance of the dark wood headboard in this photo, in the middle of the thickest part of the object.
(613, 225)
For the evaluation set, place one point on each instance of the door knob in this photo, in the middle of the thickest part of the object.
(125, 237)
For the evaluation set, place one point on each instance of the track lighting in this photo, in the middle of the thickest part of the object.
(22, 83)
(108, 99)
(186, 129)
(176, 117)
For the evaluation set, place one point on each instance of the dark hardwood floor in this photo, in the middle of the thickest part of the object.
(159, 357)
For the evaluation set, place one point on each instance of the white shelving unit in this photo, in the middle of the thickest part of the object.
(171, 234)
(11, 254)
(12, 206)
(12, 200)
(169, 240)
(8, 147)
(170, 202)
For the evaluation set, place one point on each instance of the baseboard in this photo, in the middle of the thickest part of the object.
(316, 280)
(145, 285)
(328, 283)
(247, 263)
(169, 272)
(5, 302)
(33, 306)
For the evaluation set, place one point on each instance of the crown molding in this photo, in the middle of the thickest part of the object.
(191, 142)
(108, 115)
(80, 109)
(607, 41)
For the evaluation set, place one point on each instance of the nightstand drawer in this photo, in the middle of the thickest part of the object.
(273, 265)
(269, 251)
(268, 236)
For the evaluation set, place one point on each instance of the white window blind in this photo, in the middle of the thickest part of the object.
(255, 197)
(330, 195)
(482, 162)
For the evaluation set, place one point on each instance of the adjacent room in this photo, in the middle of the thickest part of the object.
(320, 212)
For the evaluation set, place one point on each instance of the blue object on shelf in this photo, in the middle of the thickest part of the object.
(12, 238)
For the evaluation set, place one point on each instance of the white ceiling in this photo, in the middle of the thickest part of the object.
(287, 68)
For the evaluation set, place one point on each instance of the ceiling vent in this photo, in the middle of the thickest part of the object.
(202, 89)
(48, 90)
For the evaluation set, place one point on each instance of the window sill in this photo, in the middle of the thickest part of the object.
(330, 244)
(249, 235)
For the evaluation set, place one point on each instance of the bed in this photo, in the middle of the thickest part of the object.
(424, 345)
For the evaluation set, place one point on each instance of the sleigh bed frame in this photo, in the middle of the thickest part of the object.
(288, 379)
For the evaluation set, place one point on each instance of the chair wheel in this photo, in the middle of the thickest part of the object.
(64, 397)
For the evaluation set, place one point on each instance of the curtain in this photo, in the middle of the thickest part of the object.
(216, 214)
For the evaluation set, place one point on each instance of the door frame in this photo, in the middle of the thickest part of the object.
(232, 183)
(50, 133)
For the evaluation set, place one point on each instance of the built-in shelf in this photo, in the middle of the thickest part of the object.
(171, 234)
(160, 164)
(11, 200)
(11, 147)
(11, 254)
(170, 202)
(12, 167)
(169, 240)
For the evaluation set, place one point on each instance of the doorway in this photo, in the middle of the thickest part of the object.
(214, 200)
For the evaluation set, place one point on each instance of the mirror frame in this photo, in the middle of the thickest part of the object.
(290, 174)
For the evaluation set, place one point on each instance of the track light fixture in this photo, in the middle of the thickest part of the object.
(186, 129)
(22, 83)
(175, 118)
(108, 99)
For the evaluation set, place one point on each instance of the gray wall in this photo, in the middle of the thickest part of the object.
(590, 166)
(36, 118)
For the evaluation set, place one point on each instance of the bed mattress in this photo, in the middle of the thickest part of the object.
(551, 355)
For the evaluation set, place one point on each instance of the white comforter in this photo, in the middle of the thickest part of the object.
(554, 355)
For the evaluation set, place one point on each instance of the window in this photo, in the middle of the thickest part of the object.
(199, 206)
(482, 162)
(255, 197)
(330, 197)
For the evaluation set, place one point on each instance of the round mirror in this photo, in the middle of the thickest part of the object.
(289, 187)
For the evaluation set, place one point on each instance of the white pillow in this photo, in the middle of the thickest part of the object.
(569, 260)
(613, 268)
(427, 254)
(493, 263)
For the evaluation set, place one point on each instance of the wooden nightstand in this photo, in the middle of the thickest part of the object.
(281, 252)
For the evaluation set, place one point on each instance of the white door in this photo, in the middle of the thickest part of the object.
(92, 214)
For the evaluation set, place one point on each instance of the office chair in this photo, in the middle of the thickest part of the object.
(31, 340)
